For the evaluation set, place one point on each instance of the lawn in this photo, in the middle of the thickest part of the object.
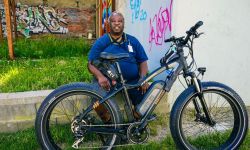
(44, 63)
(24, 140)
(39, 74)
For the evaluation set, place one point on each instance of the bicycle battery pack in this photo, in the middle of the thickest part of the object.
(150, 97)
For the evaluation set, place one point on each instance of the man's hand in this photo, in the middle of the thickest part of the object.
(102, 80)
(143, 71)
(104, 83)
(144, 88)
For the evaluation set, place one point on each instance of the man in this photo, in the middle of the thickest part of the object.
(119, 42)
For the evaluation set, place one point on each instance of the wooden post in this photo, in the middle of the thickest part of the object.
(97, 14)
(100, 18)
(1, 29)
(113, 5)
(9, 29)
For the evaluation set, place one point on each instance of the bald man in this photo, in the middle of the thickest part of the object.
(119, 42)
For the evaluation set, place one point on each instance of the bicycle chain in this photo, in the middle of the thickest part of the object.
(123, 145)
(109, 125)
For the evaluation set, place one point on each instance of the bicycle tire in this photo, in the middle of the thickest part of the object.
(54, 101)
(220, 136)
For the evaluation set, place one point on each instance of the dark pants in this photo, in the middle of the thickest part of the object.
(135, 95)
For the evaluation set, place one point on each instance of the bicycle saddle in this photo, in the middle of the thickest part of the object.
(110, 56)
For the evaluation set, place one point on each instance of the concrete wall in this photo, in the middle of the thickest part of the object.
(224, 48)
(18, 110)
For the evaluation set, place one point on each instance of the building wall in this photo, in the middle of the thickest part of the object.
(58, 17)
(150, 23)
(223, 49)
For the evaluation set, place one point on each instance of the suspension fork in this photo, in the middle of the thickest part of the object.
(199, 90)
(196, 82)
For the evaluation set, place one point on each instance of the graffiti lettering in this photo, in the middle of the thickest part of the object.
(39, 19)
(160, 24)
(34, 20)
(3, 20)
(137, 12)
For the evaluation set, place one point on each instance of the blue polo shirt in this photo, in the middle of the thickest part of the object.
(129, 66)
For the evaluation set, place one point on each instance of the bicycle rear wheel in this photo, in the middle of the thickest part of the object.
(58, 123)
(192, 131)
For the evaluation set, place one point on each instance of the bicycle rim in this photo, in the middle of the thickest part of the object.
(197, 134)
(59, 121)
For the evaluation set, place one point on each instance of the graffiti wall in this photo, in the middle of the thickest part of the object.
(46, 19)
(150, 22)
(3, 19)
(39, 19)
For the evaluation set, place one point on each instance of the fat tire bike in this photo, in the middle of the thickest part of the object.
(206, 115)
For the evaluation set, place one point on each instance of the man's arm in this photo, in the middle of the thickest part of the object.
(143, 68)
(102, 80)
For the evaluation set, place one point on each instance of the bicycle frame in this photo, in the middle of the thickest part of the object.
(174, 65)
(190, 118)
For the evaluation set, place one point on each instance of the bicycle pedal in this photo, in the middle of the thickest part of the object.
(152, 117)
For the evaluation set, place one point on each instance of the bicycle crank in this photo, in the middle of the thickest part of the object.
(137, 136)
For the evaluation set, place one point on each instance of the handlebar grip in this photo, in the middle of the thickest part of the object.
(170, 39)
(197, 25)
(192, 31)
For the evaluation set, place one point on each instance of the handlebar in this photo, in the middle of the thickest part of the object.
(182, 41)
(174, 39)
(190, 32)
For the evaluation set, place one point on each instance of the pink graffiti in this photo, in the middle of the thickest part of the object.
(160, 25)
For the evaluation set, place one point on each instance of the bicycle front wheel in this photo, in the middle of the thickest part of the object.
(59, 124)
(191, 130)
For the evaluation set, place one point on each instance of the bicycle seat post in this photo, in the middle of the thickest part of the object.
(119, 72)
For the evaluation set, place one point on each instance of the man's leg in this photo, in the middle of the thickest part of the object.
(136, 97)
(101, 110)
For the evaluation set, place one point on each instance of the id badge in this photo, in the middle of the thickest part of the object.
(130, 49)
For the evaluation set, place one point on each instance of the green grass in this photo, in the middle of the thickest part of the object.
(43, 63)
(47, 47)
(25, 140)
(166, 144)
(22, 140)
(38, 74)
(161, 121)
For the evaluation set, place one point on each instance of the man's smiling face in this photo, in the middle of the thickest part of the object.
(116, 24)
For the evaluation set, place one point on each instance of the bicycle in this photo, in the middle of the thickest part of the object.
(204, 110)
